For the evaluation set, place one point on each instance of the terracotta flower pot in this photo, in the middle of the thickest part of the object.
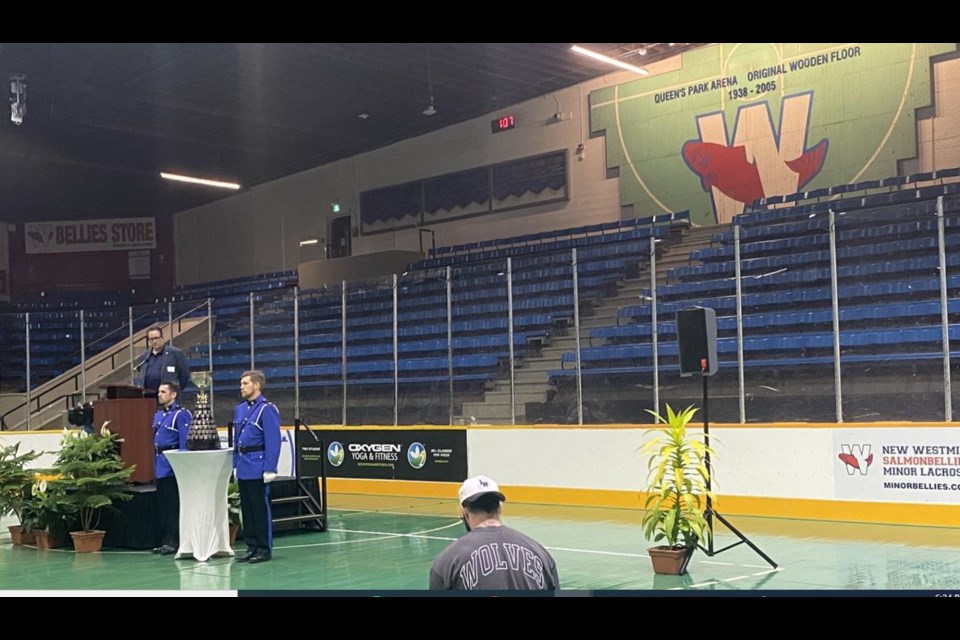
(48, 540)
(670, 561)
(87, 541)
(19, 537)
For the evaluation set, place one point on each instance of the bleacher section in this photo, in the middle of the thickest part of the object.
(908, 185)
(55, 334)
(887, 279)
(220, 290)
(565, 235)
(888, 289)
(542, 306)
(55, 323)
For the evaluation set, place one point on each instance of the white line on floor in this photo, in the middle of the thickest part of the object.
(380, 535)
(694, 586)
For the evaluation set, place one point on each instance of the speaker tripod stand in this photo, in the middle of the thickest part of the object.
(710, 513)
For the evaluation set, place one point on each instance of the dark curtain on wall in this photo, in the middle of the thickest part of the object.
(456, 190)
(531, 174)
(391, 203)
(407, 202)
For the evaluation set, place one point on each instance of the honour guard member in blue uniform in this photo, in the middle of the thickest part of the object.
(256, 453)
(171, 425)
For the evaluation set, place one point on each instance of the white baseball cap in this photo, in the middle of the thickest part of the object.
(473, 488)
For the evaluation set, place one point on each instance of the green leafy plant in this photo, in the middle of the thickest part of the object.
(14, 480)
(43, 510)
(677, 482)
(91, 475)
(233, 504)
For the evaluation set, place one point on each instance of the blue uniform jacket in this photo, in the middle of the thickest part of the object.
(256, 424)
(170, 429)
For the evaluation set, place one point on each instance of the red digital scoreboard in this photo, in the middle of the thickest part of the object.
(502, 124)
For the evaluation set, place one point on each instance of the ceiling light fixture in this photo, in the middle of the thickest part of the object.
(609, 60)
(309, 241)
(202, 181)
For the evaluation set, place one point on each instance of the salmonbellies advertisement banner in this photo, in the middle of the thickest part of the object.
(396, 454)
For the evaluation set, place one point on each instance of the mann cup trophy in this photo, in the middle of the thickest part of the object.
(203, 434)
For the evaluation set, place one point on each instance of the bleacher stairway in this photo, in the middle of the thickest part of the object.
(531, 378)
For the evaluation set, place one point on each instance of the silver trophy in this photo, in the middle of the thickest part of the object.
(203, 434)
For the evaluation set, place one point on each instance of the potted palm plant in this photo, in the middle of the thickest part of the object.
(14, 481)
(676, 491)
(92, 477)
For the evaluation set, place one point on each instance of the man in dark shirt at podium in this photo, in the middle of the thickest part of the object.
(162, 363)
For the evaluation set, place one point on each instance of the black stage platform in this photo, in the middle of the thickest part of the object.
(135, 524)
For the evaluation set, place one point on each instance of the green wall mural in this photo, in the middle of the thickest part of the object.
(743, 121)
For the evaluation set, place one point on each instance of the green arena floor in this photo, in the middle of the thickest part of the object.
(386, 543)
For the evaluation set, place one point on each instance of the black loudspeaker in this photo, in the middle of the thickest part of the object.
(697, 341)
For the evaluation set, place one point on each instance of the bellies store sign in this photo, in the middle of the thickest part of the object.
(107, 234)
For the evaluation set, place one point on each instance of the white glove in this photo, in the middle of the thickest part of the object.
(268, 477)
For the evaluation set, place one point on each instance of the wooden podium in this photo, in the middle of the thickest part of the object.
(131, 417)
(123, 391)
